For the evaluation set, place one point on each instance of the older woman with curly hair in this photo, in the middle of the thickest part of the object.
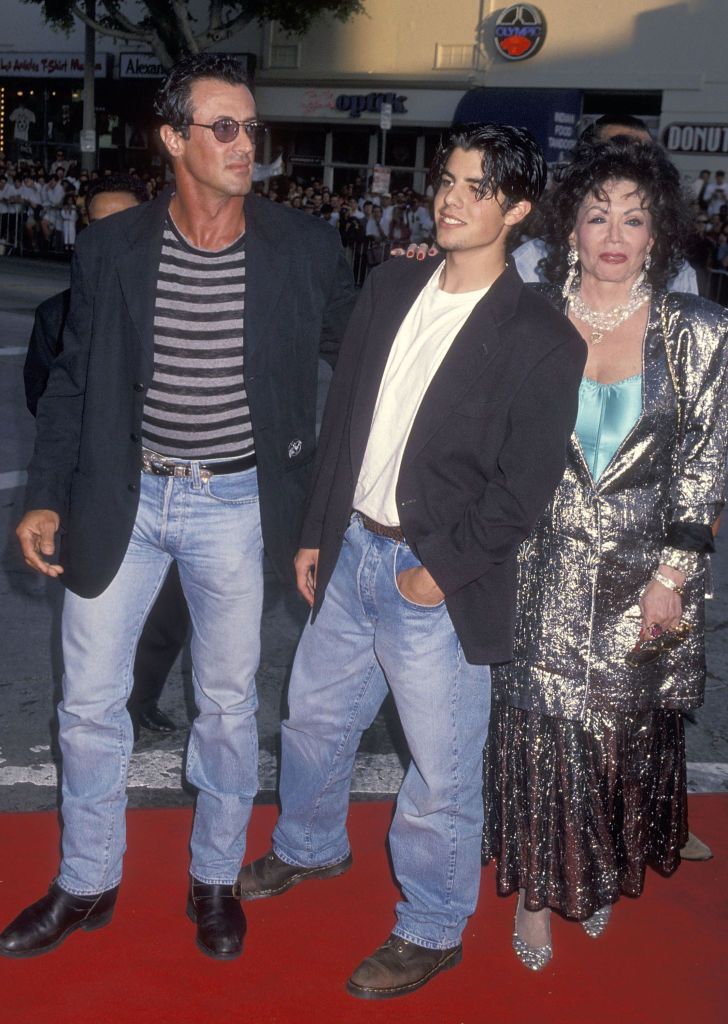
(585, 765)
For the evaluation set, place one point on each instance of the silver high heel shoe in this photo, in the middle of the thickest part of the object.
(595, 925)
(534, 958)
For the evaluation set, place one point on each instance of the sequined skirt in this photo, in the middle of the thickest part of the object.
(575, 814)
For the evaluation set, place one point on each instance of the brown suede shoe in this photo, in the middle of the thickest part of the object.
(271, 876)
(400, 967)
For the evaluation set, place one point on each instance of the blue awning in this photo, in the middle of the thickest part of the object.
(551, 115)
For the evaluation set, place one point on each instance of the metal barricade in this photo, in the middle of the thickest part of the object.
(11, 233)
(363, 256)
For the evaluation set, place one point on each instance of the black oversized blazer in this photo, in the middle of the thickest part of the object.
(485, 453)
(87, 459)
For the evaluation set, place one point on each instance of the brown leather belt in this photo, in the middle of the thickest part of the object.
(391, 532)
(159, 465)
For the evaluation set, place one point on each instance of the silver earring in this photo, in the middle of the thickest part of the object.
(572, 259)
(639, 283)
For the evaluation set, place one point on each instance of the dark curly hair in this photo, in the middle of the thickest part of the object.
(658, 185)
(173, 102)
(511, 161)
(117, 182)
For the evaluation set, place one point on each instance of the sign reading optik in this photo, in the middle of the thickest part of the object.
(370, 104)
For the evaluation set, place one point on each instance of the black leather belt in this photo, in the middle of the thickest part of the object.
(391, 532)
(160, 465)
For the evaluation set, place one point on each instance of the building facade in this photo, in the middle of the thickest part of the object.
(379, 88)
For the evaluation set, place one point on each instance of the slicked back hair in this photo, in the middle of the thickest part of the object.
(512, 163)
(173, 102)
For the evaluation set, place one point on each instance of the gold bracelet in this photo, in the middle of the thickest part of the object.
(667, 582)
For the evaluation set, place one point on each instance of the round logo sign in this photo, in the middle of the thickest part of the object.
(519, 31)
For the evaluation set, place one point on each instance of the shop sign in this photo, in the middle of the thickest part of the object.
(519, 31)
(355, 106)
(381, 180)
(696, 138)
(48, 65)
(140, 65)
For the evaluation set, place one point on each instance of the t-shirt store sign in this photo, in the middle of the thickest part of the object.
(519, 31)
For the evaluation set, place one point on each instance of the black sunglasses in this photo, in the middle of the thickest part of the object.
(225, 129)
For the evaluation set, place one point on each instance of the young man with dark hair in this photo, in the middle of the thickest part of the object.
(444, 436)
(178, 424)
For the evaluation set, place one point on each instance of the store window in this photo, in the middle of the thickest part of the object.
(402, 149)
(350, 147)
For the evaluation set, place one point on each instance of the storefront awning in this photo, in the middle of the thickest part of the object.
(551, 115)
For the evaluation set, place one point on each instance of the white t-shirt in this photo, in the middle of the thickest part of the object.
(422, 342)
(23, 119)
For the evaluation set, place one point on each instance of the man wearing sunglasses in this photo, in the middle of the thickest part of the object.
(177, 425)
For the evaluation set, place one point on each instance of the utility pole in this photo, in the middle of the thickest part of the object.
(88, 133)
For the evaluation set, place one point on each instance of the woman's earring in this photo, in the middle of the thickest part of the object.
(640, 282)
(572, 259)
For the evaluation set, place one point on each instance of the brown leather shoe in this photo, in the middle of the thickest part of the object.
(271, 876)
(400, 967)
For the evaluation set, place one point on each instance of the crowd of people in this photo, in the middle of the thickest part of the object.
(42, 208)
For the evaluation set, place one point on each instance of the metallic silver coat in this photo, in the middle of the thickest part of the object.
(582, 571)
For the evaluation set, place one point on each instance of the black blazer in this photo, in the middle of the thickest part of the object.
(45, 344)
(486, 451)
(87, 459)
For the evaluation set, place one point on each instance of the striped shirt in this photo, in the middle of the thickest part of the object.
(196, 406)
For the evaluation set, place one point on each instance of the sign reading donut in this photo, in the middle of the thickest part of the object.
(519, 31)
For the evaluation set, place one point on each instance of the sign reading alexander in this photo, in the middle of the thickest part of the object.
(48, 65)
(519, 31)
(696, 138)
(139, 65)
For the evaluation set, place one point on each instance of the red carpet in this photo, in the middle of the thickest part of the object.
(662, 959)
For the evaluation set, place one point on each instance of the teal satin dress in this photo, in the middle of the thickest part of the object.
(607, 413)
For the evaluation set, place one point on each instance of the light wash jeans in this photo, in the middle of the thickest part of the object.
(365, 637)
(213, 532)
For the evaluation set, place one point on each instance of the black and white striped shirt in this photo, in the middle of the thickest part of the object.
(196, 406)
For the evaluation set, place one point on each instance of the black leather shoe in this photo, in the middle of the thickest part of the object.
(153, 718)
(270, 876)
(219, 918)
(400, 967)
(44, 925)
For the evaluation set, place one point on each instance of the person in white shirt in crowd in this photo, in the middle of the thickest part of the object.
(335, 203)
(420, 222)
(374, 228)
(32, 204)
(385, 204)
(716, 194)
(69, 216)
(51, 216)
(528, 256)
(59, 164)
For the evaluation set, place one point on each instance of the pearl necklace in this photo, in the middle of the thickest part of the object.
(604, 322)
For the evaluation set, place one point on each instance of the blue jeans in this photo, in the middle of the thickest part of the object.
(213, 532)
(367, 636)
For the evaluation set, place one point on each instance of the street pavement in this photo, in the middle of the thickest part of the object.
(31, 665)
